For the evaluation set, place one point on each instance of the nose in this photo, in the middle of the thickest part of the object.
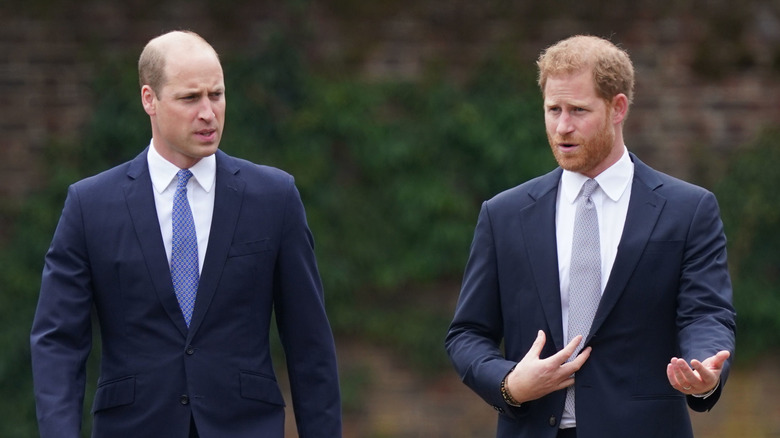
(206, 111)
(564, 125)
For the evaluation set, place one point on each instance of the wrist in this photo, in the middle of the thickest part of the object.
(708, 393)
(506, 394)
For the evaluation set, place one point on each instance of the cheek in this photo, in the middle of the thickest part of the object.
(176, 115)
(592, 130)
(220, 113)
(550, 125)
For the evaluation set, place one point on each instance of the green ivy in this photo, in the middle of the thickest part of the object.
(750, 206)
(392, 175)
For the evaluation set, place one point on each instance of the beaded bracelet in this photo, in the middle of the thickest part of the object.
(507, 396)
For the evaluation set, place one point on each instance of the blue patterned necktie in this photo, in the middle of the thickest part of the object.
(184, 249)
(584, 273)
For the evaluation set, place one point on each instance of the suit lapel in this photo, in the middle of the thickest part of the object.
(143, 212)
(538, 227)
(644, 208)
(228, 195)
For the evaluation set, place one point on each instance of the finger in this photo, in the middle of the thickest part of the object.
(671, 376)
(568, 368)
(700, 367)
(682, 370)
(706, 376)
(581, 358)
(676, 374)
(685, 375)
(568, 350)
(710, 369)
(566, 383)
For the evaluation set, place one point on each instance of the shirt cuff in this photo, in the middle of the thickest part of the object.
(708, 393)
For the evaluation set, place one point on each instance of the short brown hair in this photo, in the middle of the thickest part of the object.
(613, 72)
(151, 63)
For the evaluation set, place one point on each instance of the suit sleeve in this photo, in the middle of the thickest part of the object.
(705, 315)
(61, 338)
(475, 334)
(304, 328)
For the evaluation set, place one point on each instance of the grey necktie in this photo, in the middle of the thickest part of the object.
(584, 273)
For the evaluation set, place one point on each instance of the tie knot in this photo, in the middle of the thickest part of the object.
(183, 175)
(589, 187)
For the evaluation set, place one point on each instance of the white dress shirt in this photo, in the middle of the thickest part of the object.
(611, 201)
(200, 194)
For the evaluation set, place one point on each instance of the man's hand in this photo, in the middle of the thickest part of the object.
(534, 378)
(699, 377)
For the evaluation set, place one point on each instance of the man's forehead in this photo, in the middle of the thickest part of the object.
(581, 81)
(189, 75)
(192, 62)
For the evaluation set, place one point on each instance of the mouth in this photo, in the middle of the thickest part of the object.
(567, 146)
(206, 135)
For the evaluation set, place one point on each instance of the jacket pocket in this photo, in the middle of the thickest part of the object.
(114, 393)
(247, 248)
(664, 247)
(260, 387)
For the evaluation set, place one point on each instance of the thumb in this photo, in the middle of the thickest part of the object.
(718, 359)
(714, 362)
(536, 347)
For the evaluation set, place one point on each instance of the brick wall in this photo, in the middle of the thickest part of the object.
(707, 82)
(46, 95)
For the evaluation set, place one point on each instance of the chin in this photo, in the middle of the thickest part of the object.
(209, 149)
(569, 163)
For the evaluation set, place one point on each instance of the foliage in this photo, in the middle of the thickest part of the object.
(749, 202)
(392, 175)
(20, 270)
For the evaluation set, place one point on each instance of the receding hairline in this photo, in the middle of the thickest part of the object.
(151, 63)
(167, 40)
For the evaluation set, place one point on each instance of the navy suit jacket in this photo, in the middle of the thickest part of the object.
(668, 295)
(107, 254)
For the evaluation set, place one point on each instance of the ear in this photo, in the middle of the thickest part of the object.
(149, 100)
(619, 108)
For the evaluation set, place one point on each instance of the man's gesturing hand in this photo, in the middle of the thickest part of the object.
(534, 378)
(698, 377)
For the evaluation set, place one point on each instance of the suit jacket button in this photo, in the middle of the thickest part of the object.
(190, 350)
(184, 399)
(552, 420)
(498, 409)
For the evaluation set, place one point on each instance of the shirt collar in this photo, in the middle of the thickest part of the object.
(613, 181)
(163, 172)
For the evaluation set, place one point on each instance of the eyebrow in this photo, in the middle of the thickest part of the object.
(192, 91)
(574, 104)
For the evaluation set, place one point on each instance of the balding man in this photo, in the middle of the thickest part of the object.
(183, 252)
